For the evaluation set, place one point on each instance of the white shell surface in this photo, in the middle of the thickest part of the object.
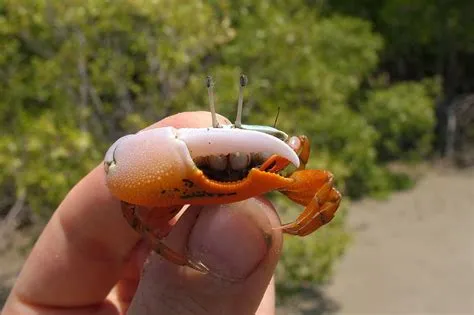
(216, 141)
(146, 150)
(109, 155)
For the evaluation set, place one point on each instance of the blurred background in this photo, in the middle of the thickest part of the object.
(383, 88)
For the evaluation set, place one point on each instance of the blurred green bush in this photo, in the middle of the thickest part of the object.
(76, 75)
(404, 118)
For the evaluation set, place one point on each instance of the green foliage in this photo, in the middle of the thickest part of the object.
(46, 160)
(403, 115)
(76, 75)
(424, 39)
(410, 25)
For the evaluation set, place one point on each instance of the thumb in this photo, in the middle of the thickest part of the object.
(235, 241)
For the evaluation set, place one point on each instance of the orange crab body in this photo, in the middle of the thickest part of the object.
(157, 171)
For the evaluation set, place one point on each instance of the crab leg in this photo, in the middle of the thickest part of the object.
(158, 220)
(320, 205)
(311, 188)
(174, 257)
(314, 216)
(159, 224)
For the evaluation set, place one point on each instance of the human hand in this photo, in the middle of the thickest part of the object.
(89, 261)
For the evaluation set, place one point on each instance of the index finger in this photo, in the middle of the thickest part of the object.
(83, 249)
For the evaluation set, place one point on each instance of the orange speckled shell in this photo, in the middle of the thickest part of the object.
(147, 164)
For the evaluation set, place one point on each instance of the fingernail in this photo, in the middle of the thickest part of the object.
(232, 239)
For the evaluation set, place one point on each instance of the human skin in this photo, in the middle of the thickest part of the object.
(89, 261)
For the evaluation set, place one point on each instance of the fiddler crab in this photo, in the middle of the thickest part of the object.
(156, 172)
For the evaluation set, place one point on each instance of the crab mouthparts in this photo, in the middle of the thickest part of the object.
(228, 154)
(230, 167)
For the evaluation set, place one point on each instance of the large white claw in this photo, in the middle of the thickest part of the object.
(216, 141)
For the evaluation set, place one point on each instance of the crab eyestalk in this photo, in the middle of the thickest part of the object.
(243, 83)
(210, 92)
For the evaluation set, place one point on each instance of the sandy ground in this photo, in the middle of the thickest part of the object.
(411, 254)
